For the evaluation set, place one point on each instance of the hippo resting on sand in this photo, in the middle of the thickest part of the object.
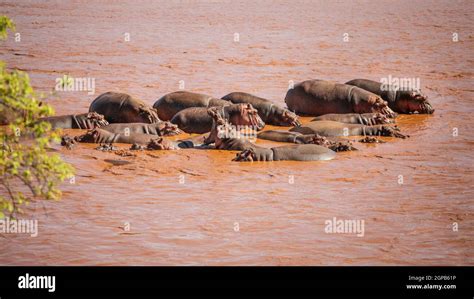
(368, 119)
(399, 100)
(268, 111)
(86, 121)
(170, 104)
(197, 119)
(164, 128)
(318, 97)
(332, 128)
(122, 108)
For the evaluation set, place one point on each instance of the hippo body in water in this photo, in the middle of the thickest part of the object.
(152, 141)
(368, 119)
(163, 128)
(269, 112)
(86, 121)
(122, 108)
(170, 104)
(198, 120)
(318, 97)
(399, 100)
(337, 145)
(332, 129)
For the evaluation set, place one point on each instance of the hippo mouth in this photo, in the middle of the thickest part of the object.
(293, 120)
(169, 129)
(97, 119)
(380, 119)
(255, 120)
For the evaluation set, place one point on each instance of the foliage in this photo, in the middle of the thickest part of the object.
(27, 171)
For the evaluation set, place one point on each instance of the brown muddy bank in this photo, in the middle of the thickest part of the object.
(183, 207)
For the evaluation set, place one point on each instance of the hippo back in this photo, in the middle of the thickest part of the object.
(171, 103)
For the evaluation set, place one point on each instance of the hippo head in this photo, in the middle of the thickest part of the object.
(381, 119)
(166, 128)
(160, 144)
(92, 136)
(97, 119)
(286, 118)
(413, 101)
(147, 115)
(244, 115)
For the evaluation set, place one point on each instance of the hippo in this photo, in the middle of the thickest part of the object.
(171, 103)
(269, 112)
(399, 100)
(164, 128)
(337, 145)
(86, 121)
(300, 152)
(122, 108)
(197, 119)
(99, 135)
(368, 119)
(333, 128)
(318, 97)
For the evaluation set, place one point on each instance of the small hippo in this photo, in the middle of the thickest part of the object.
(332, 128)
(164, 128)
(368, 119)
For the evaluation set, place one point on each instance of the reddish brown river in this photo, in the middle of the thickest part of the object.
(197, 207)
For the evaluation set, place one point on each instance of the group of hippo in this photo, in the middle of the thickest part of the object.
(358, 107)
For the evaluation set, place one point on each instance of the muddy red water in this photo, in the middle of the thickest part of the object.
(196, 207)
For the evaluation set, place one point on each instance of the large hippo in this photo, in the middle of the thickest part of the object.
(269, 112)
(122, 108)
(171, 103)
(164, 128)
(399, 100)
(368, 119)
(318, 97)
(86, 121)
(332, 128)
(197, 119)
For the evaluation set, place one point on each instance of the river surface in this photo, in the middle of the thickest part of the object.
(197, 207)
